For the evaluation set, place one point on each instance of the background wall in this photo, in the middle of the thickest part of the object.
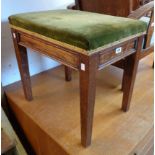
(37, 63)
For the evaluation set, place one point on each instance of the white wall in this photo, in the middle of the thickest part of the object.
(37, 63)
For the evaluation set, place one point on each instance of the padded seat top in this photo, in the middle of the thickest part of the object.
(85, 30)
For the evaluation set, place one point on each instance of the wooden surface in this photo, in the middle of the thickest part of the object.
(130, 8)
(111, 7)
(87, 98)
(116, 8)
(7, 128)
(86, 64)
(142, 11)
(68, 73)
(129, 76)
(137, 14)
(7, 143)
(52, 120)
(22, 60)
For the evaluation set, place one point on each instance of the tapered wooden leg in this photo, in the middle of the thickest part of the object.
(122, 81)
(68, 73)
(123, 75)
(87, 97)
(130, 70)
(22, 59)
(153, 65)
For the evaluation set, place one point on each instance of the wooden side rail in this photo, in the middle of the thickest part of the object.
(146, 51)
(142, 11)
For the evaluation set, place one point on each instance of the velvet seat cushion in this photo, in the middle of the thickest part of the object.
(85, 30)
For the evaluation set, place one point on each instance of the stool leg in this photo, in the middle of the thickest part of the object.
(123, 77)
(122, 81)
(68, 73)
(22, 59)
(87, 98)
(130, 70)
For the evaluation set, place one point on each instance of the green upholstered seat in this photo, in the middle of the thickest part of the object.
(85, 30)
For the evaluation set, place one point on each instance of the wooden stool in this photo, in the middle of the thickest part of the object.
(83, 41)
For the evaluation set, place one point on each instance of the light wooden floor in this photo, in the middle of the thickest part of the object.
(52, 121)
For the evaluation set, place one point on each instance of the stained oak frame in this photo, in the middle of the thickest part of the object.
(87, 65)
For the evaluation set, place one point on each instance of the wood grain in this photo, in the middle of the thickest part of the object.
(54, 117)
(7, 143)
(142, 11)
(22, 60)
(145, 147)
(91, 63)
(50, 50)
(146, 51)
(116, 8)
(131, 8)
(110, 54)
(129, 75)
(87, 97)
(68, 73)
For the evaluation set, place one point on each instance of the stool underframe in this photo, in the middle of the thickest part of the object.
(87, 65)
